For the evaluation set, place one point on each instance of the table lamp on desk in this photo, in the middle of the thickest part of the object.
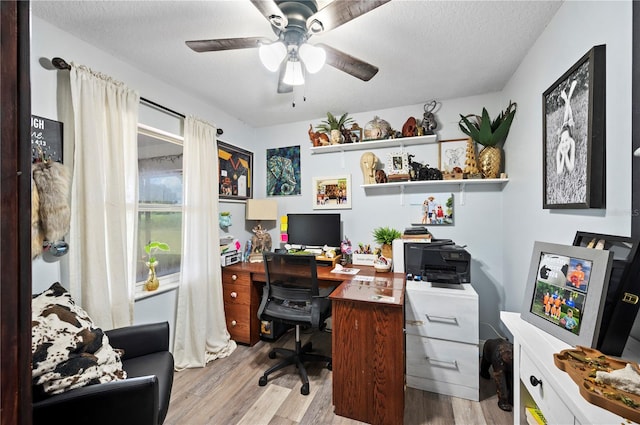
(260, 209)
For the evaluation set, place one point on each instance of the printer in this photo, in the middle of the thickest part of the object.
(440, 261)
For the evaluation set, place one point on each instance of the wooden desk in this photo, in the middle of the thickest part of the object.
(368, 346)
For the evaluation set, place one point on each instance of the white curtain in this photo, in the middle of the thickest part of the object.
(201, 332)
(103, 196)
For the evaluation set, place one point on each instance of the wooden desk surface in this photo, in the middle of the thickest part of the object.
(366, 286)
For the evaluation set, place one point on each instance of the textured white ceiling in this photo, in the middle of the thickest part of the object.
(424, 49)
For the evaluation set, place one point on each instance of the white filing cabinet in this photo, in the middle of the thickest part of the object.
(442, 339)
(558, 396)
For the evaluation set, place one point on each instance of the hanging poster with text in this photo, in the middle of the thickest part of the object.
(46, 139)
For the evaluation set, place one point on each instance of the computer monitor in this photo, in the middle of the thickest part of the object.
(314, 230)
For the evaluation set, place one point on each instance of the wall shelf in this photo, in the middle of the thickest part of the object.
(376, 144)
(460, 183)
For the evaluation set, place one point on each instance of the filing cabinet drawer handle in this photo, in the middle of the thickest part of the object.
(442, 319)
(234, 277)
(448, 364)
(234, 294)
(233, 323)
(535, 381)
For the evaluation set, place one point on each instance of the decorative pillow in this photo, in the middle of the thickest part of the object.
(68, 350)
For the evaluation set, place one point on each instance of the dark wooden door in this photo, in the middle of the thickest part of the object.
(15, 208)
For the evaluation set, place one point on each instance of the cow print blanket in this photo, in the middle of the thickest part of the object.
(68, 350)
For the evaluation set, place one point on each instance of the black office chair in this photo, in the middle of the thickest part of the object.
(292, 296)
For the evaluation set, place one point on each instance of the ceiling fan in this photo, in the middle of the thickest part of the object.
(294, 22)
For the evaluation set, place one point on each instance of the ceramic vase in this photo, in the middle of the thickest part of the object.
(152, 282)
(387, 251)
(336, 137)
(489, 160)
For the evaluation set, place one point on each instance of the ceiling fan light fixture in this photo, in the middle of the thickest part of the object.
(272, 55)
(313, 57)
(293, 73)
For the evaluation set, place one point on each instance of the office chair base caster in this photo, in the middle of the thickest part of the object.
(272, 354)
(304, 389)
(263, 381)
(330, 366)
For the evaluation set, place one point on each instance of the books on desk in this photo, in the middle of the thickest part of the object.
(344, 270)
(534, 416)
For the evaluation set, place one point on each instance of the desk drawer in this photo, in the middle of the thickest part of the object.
(232, 277)
(553, 409)
(441, 360)
(236, 294)
(442, 316)
(238, 319)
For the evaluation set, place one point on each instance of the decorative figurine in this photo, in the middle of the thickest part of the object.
(317, 138)
(498, 353)
(409, 127)
(368, 164)
(429, 123)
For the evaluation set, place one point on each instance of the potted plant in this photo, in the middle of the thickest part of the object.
(333, 126)
(150, 249)
(385, 237)
(491, 134)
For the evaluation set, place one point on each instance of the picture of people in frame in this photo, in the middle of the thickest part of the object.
(561, 290)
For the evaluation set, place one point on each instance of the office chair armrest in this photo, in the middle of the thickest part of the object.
(319, 311)
(140, 340)
(133, 401)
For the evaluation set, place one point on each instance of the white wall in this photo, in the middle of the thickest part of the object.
(576, 28)
(498, 226)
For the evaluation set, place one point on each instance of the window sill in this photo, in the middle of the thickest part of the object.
(166, 286)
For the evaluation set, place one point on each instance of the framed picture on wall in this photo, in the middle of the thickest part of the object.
(283, 171)
(235, 167)
(332, 193)
(452, 153)
(566, 291)
(574, 119)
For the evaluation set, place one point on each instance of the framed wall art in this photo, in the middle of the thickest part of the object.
(283, 171)
(235, 167)
(332, 193)
(452, 153)
(566, 291)
(574, 135)
(435, 209)
(355, 134)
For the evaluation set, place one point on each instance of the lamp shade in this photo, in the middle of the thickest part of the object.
(293, 74)
(272, 55)
(261, 209)
(313, 57)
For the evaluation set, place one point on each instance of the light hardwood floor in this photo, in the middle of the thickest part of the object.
(226, 392)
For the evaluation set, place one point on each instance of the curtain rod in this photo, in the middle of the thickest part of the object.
(63, 65)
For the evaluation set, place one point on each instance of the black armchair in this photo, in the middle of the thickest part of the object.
(141, 399)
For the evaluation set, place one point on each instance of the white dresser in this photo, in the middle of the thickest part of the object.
(442, 339)
(557, 395)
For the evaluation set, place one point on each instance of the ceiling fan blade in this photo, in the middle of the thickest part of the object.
(349, 64)
(282, 87)
(226, 44)
(272, 12)
(339, 12)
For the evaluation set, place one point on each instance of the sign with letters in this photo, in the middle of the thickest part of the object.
(46, 139)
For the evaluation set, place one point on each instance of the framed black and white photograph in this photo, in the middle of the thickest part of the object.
(566, 291)
(452, 154)
(235, 166)
(574, 135)
(331, 193)
(397, 163)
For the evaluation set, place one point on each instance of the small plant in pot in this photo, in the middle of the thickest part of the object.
(491, 134)
(385, 237)
(333, 126)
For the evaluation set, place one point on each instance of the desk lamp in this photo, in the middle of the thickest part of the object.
(260, 209)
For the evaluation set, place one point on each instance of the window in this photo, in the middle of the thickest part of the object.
(160, 199)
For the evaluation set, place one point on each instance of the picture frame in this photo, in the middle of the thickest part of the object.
(435, 209)
(397, 163)
(355, 134)
(574, 135)
(283, 171)
(452, 153)
(566, 291)
(235, 172)
(332, 193)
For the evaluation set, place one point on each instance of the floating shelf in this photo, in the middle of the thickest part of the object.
(376, 144)
(459, 182)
